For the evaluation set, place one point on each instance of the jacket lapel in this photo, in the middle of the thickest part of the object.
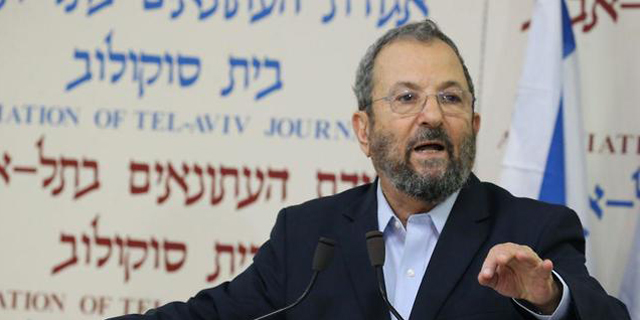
(359, 219)
(464, 232)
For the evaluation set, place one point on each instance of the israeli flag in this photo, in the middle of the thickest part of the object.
(545, 157)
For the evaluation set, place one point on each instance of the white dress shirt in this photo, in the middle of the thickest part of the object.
(409, 250)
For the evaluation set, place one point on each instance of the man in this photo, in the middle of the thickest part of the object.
(457, 248)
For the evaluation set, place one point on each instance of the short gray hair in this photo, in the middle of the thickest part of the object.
(424, 31)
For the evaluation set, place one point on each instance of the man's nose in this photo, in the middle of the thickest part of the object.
(431, 113)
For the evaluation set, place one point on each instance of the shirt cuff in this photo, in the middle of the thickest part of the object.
(563, 307)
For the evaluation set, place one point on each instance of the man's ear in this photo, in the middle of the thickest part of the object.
(475, 122)
(360, 123)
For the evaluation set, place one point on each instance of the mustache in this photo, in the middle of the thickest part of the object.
(432, 134)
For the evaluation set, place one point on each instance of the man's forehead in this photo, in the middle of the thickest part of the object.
(421, 63)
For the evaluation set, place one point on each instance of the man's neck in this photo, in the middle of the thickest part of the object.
(402, 204)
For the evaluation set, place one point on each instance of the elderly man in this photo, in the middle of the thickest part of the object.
(457, 248)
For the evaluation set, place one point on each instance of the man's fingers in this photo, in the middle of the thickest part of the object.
(487, 271)
(500, 254)
(528, 258)
(520, 259)
(488, 268)
(547, 265)
(487, 277)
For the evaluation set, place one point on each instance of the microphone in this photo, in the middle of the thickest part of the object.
(375, 248)
(321, 260)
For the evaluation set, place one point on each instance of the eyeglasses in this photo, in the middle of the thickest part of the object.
(407, 101)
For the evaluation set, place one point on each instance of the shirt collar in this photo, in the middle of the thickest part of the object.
(439, 213)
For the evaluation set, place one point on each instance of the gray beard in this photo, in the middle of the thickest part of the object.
(431, 188)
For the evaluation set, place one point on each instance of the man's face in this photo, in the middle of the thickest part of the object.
(430, 154)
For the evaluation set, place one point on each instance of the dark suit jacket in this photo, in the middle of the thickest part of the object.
(484, 215)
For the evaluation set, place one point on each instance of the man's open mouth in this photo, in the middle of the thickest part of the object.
(429, 146)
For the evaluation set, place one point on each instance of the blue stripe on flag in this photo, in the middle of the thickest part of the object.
(553, 188)
(568, 41)
(553, 181)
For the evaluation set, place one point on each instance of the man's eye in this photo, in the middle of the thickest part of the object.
(450, 97)
(406, 97)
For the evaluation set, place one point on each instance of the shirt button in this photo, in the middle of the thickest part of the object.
(411, 273)
(397, 224)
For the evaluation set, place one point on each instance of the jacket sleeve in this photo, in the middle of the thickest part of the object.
(562, 242)
(258, 290)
